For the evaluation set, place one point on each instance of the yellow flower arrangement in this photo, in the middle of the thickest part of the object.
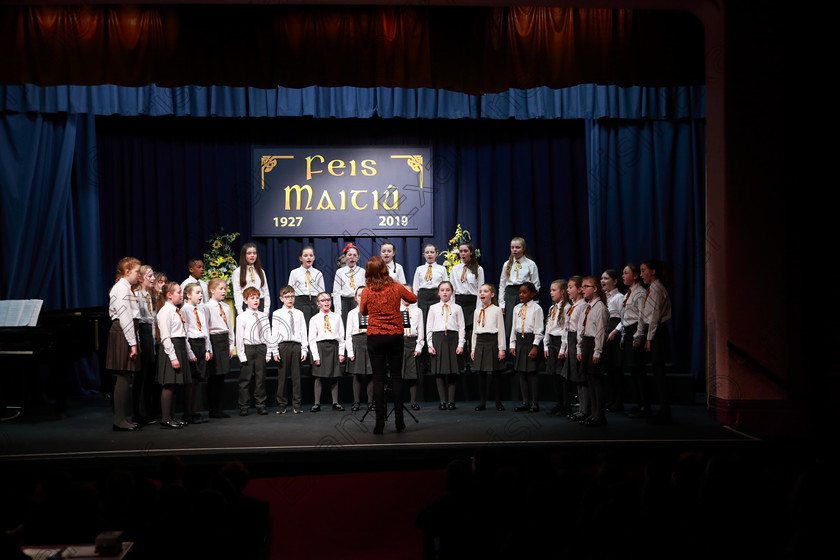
(451, 257)
(219, 260)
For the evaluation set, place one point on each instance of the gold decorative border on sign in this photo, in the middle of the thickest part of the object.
(415, 162)
(268, 163)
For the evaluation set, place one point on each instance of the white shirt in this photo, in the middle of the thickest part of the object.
(342, 287)
(439, 274)
(555, 321)
(252, 327)
(395, 270)
(596, 324)
(656, 309)
(124, 306)
(297, 280)
(494, 323)
(572, 315)
(470, 283)
(614, 300)
(353, 327)
(415, 318)
(220, 319)
(203, 283)
(532, 322)
(438, 321)
(171, 325)
(252, 279)
(522, 270)
(147, 308)
(288, 325)
(631, 306)
(318, 331)
(188, 312)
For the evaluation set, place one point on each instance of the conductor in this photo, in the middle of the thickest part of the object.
(380, 301)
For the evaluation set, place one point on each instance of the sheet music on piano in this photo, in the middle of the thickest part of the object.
(20, 312)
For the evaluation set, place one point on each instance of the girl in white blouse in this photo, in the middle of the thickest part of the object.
(250, 273)
(445, 339)
(395, 269)
(307, 282)
(652, 334)
(592, 328)
(123, 351)
(525, 339)
(466, 277)
(519, 268)
(488, 345)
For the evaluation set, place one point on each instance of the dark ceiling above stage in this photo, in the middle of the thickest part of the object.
(469, 49)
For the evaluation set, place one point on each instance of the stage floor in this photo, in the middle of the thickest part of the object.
(331, 441)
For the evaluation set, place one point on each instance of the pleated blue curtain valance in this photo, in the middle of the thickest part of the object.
(586, 101)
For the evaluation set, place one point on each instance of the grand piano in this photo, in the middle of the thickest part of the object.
(37, 360)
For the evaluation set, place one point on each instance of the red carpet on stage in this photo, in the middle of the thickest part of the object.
(359, 515)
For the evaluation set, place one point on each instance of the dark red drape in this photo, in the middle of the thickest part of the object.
(474, 50)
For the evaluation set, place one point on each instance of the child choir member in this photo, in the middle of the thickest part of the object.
(571, 372)
(347, 279)
(252, 334)
(526, 336)
(592, 326)
(612, 351)
(222, 344)
(414, 340)
(555, 330)
(250, 273)
(307, 282)
(466, 277)
(172, 362)
(358, 361)
(196, 268)
(652, 334)
(123, 350)
(326, 345)
(143, 390)
(289, 348)
(395, 269)
(519, 268)
(488, 345)
(445, 340)
(199, 348)
(632, 356)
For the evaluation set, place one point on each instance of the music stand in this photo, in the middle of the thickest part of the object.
(388, 391)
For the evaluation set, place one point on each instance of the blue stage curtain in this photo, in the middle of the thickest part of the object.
(168, 184)
(587, 101)
(49, 206)
(521, 162)
(647, 200)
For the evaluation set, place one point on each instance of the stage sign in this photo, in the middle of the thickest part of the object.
(349, 191)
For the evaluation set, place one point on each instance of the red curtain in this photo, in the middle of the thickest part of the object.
(473, 50)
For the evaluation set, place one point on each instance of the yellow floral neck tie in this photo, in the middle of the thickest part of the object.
(522, 312)
(445, 312)
(518, 267)
(327, 327)
(481, 316)
(224, 317)
(429, 273)
(353, 279)
(308, 283)
(251, 270)
(197, 320)
(585, 317)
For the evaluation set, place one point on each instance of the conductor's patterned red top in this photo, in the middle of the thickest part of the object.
(383, 308)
